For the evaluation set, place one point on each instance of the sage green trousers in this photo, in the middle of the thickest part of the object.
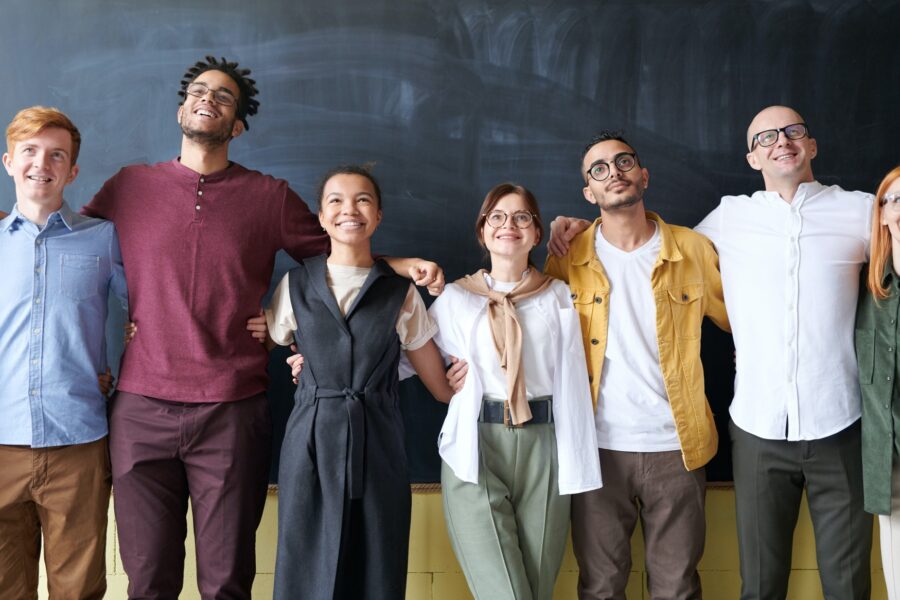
(509, 530)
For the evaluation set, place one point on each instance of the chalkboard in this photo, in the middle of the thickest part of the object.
(450, 97)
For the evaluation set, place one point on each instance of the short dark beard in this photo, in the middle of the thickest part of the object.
(626, 202)
(210, 139)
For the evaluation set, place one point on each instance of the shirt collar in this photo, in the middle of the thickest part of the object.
(582, 248)
(193, 175)
(64, 214)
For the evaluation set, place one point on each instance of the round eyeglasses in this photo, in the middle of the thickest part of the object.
(497, 218)
(767, 137)
(222, 96)
(624, 161)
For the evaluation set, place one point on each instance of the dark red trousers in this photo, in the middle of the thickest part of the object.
(163, 453)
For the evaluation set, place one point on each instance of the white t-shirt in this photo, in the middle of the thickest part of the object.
(633, 412)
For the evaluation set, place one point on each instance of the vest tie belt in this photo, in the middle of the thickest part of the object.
(356, 421)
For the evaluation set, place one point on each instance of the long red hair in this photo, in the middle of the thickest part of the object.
(881, 239)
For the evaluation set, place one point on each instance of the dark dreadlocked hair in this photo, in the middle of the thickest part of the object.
(246, 105)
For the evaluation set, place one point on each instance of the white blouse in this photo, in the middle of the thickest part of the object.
(553, 363)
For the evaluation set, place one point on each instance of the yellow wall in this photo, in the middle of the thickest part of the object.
(435, 575)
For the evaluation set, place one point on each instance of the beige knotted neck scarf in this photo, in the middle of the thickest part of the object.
(507, 333)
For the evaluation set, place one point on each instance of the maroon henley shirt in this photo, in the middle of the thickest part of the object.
(199, 251)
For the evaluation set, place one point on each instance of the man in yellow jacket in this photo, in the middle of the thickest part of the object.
(641, 288)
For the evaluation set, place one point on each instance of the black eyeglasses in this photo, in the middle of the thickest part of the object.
(222, 96)
(497, 218)
(624, 161)
(768, 137)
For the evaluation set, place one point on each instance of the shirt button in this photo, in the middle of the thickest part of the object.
(37, 300)
(684, 297)
(34, 361)
(598, 300)
(202, 180)
(199, 192)
(37, 270)
(888, 378)
(197, 207)
(38, 242)
(892, 321)
(573, 296)
(595, 341)
(590, 378)
(34, 392)
(37, 329)
(890, 349)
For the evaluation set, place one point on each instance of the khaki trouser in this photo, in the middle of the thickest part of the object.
(62, 492)
(509, 530)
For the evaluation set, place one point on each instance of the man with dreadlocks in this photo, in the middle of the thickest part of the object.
(190, 420)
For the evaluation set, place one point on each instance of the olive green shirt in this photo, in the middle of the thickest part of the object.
(876, 351)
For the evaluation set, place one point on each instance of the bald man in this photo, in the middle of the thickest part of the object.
(790, 258)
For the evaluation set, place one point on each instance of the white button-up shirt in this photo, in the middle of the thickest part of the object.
(790, 273)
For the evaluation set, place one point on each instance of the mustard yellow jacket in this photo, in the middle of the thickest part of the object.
(686, 287)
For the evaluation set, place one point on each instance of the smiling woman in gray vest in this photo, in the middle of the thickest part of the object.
(344, 497)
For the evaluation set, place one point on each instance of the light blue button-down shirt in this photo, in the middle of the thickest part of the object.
(53, 305)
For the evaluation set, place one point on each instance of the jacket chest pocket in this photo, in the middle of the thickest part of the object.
(586, 302)
(686, 307)
(78, 275)
(865, 355)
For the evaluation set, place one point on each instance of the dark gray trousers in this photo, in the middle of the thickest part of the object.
(769, 478)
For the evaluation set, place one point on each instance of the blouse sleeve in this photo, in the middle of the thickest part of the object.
(280, 317)
(414, 325)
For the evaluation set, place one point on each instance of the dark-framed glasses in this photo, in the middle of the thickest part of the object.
(892, 200)
(624, 161)
(222, 96)
(522, 219)
(767, 137)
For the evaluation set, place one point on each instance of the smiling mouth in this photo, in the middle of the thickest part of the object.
(784, 157)
(350, 225)
(202, 112)
(39, 179)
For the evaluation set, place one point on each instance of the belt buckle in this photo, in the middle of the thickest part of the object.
(506, 420)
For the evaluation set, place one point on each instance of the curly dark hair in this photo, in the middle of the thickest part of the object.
(246, 105)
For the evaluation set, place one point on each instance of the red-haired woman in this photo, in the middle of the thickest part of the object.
(877, 338)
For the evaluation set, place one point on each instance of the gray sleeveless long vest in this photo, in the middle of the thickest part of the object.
(344, 499)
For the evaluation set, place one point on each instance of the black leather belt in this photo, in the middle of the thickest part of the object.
(493, 411)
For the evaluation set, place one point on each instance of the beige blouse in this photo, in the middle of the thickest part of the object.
(414, 326)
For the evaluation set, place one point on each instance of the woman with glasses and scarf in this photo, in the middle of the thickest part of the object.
(876, 351)
(519, 436)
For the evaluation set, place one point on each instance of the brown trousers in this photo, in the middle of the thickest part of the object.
(669, 500)
(62, 492)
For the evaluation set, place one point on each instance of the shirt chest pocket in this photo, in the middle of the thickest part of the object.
(78, 275)
(686, 306)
